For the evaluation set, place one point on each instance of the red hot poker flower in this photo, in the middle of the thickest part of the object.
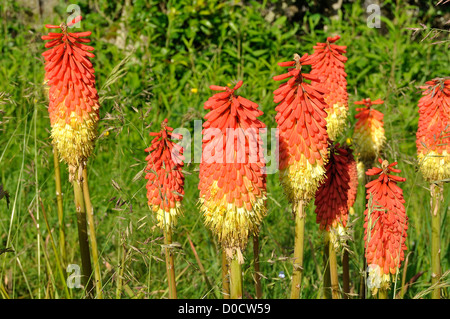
(329, 66)
(369, 132)
(165, 185)
(337, 194)
(302, 130)
(73, 99)
(433, 134)
(232, 181)
(385, 223)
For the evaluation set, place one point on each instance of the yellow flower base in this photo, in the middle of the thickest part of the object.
(434, 166)
(301, 179)
(233, 225)
(336, 120)
(167, 219)
(75, 141)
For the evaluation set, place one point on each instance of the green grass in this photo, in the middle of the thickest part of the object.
(173, 47)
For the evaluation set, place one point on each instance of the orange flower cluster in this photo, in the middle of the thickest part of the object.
(338, 192)
(302, 130)
(329, 66)
(165, 185)
(232, 178)
(433, 134)
(369, 135)
(73, 107)
(385, 223)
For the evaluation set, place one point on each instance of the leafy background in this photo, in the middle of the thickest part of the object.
(156, 60)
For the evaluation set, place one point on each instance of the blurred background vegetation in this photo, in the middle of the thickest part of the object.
(156, 59)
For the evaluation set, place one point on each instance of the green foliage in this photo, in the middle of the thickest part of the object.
(156, 60)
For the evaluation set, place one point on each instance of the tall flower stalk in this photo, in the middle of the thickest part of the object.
(433, 152)
(369, 139)
(333, 201)
(74, 114)
(385, 227)
(303, 147)
(329, 66)
(232, 175)
(165, 190)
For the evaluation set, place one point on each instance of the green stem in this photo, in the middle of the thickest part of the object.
(346, 274)
(326, 264)
(170, 265)
(258, 287)
(235, 278)
(436, 199)
(83, 237)
(225, 276)
(333, 272)
(92, 235)
(298, 249)
(59, 201)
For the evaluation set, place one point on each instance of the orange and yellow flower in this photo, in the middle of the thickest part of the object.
(338, 192)
(433, 134)
(385, 223)
(329, 66)
(369, 137)
(73, 99)
(232, 177)
(303, 137)
(165, 185)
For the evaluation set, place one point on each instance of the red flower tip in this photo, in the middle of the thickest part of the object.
(385, 170)
(333, 39)
(368, 103)
(238, 85)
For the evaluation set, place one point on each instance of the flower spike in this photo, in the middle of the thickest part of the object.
(385, 224)
(433, 134)
(232, 178)
(329, 66)
(369, 136)
(165, 185)
(302, 129)
(73, 99)
(338, 192)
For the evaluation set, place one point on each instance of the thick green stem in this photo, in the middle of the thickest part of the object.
(258, 287)
(436, 199)
(333, 272)
(235, 278)
(298, 250)
(346, 274)
(225, 276)
(59, 201)
(92, 235)
(326, 265)
(83, 238)
(170, 265)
